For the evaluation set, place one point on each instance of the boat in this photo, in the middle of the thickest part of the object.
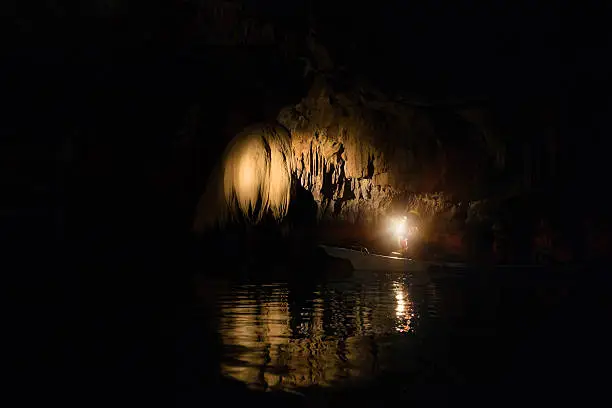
(362, 259)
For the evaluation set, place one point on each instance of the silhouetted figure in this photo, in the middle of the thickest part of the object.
(302, 219)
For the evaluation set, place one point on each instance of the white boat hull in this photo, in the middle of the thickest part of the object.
(365, 261)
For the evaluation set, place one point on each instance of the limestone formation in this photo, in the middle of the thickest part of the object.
(252, 179)
(357, 155)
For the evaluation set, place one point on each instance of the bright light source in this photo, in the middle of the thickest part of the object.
(400, 228)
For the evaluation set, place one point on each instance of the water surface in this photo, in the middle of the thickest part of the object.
(438, 333)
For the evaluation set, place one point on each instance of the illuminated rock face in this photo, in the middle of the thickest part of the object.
(252, 179)
(357, 159)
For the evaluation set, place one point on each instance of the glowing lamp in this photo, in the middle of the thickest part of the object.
(399, 226)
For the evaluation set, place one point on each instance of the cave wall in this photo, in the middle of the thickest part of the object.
(360, 153)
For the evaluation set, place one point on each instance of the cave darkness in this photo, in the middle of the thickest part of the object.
(116, 113)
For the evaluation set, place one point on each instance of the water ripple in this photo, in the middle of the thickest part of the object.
(278, 335)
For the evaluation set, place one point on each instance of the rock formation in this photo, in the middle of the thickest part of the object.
(359, 153)
(252, 178)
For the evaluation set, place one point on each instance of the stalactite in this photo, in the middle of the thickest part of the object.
(252, 179)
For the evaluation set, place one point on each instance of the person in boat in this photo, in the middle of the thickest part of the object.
(408, 230)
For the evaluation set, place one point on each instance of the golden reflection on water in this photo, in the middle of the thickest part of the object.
(323, 337)
(404, 310)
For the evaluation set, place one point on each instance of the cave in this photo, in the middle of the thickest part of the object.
(163, 94)
(148, 146)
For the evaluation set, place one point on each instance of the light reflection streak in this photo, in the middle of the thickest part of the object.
(403, 309)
